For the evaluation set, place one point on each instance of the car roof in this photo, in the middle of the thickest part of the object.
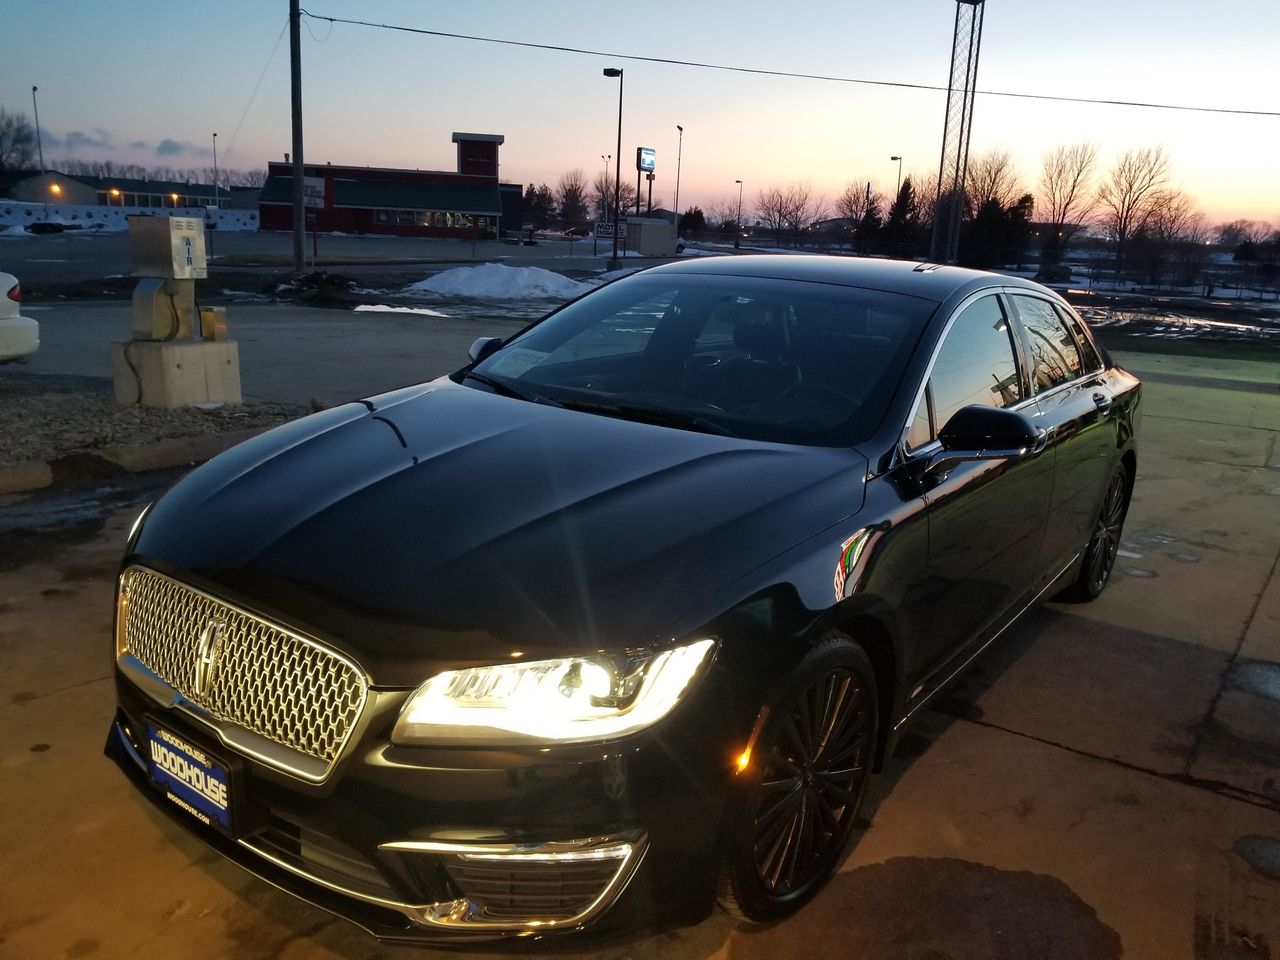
(928, 281)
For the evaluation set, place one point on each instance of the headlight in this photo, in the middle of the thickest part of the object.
(564, 701)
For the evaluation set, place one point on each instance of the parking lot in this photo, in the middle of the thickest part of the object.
(1105, 783)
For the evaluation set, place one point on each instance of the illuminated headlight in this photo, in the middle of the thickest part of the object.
(564, 701)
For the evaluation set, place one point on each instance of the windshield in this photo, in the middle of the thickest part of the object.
(781, 360)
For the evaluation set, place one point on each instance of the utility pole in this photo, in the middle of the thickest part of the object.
(295, 77)
(39, 144)
(953, 167)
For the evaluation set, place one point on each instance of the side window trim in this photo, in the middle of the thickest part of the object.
(1084, 343)
(1024, 338)
(924, 391)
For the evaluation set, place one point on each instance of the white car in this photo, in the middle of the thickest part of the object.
(19, 335)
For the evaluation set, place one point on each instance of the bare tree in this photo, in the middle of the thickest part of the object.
(246, 178)
(923, 202)
(724, 214)
(602, 196)
(992, 176)
(1177, 233)
(1066, 196)
(17, 141)
(857, 200)
(1130, 193)
(772, 207)
(571, 198)
(794, 208)
(1244, 231)
(804, 209)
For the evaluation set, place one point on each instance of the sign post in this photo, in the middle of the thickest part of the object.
(646, 162)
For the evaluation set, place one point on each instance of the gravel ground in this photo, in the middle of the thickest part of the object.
(44, 418)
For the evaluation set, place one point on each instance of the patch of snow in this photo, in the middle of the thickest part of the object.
(496, 281)
(615, 274)
(384, 308)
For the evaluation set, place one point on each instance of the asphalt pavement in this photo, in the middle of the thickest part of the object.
(1105, 783)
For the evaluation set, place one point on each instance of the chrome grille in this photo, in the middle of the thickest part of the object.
(277, 685)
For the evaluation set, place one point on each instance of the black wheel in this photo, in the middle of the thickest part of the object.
(810, 766)
(1100, 553)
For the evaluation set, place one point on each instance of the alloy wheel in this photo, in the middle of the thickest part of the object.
(1100, 556)
(813, 778)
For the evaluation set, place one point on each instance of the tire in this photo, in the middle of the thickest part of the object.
(1104, 543)
(811, 762)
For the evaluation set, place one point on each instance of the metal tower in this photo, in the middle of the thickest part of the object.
(949, 203)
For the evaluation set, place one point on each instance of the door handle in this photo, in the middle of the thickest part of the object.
(1102, 401)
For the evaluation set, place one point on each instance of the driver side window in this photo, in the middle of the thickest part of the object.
(975, 364)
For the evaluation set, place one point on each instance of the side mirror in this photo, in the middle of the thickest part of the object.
(483, 347)
(979, 432)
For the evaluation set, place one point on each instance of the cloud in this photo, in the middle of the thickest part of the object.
(98, 140)
(168, 147)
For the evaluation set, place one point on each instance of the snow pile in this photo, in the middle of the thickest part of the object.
(384, 308)
(495, 281)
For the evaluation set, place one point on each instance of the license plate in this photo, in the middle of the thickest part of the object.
(191, 778)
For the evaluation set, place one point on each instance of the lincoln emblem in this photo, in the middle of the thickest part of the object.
(208, 651)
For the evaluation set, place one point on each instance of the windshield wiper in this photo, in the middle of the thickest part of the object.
(507, 390)
(646, 414)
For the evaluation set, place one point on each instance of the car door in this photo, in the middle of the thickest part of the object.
(986, 517)
(1074, 408)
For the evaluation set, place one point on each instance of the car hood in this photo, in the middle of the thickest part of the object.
(442, 525)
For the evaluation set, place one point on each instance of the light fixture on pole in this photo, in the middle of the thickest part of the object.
(899, 190)
(217, 202)
(737, 232)
(35, 107)
(617, 170)
(679, 154)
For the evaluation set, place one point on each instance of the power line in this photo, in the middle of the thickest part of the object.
(784, 73)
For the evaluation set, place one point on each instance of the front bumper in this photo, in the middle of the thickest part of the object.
(415, 844)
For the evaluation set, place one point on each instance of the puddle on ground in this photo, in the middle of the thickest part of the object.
(1258, 677)
(1184, 557)
(1137, 572)
(1261, 853)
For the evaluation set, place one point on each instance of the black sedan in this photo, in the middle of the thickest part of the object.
(618, 619)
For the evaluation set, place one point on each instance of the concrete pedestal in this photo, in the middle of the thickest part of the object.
(176, 373)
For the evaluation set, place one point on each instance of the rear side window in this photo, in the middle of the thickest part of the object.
(1055, 357)
(1088, 354)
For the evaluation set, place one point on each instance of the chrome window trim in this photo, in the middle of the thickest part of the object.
(1080, 327)
(1057, 302)
(909, 453)
(275, 755)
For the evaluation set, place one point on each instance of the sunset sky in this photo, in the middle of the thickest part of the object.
(150, 82)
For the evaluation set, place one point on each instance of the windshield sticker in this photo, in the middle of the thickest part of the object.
(514, 361)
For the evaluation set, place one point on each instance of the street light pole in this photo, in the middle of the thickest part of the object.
(737, 233)
(679, 155)
(617, 170)
(604, 186)
(36, 108)
(899, 190)
(216, 201)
